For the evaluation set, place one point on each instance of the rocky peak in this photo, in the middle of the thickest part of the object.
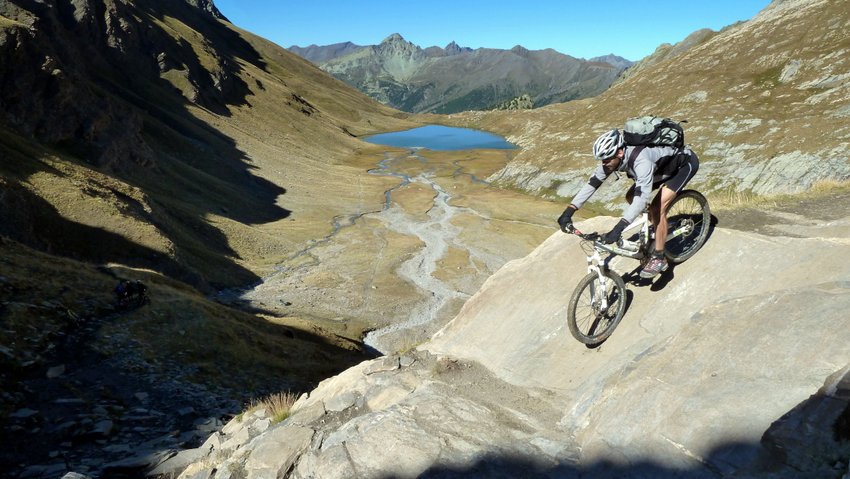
(614, 60)
(396, 45)
(394, 38)
(520, 50)
(398, 57)
(455, 49)
(207, 6)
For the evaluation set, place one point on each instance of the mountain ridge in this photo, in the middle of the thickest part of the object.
(405, 76)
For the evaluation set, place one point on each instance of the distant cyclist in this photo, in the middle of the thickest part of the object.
(127, 292)
(651, 167)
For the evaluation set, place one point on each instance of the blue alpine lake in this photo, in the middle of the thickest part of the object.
(444, 138)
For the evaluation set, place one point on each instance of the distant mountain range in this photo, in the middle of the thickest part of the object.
(452, 79)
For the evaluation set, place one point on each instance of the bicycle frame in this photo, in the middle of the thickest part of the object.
(638, 249)
(631, 249)
(600, 299)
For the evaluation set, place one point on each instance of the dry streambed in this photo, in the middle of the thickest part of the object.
(402, 272)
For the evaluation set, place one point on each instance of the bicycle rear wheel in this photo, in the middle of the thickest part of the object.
(588, 322)
(688, 221)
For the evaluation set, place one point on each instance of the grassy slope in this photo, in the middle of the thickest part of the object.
(44, 298)
(230, 193)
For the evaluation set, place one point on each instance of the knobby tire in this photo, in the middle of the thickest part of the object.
(587, 323)
(688, 208)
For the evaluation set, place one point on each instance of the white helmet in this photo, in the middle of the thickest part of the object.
(607, 144)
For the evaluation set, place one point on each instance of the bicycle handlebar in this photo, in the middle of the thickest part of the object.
(595, 240)
(585, 236)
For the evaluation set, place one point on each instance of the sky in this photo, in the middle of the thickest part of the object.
(631, 29)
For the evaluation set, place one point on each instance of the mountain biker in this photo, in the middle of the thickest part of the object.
(651, 167)
(127, 290)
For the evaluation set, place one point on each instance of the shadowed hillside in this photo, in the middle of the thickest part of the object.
(163, 125)
(154, 141)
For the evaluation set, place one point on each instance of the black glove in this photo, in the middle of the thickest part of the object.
(566, 218)
(613, 235)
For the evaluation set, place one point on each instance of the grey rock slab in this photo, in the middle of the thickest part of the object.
(307, 414)
(237, 439)
(713, 354)
(385, 396)
(331, 463)
(709, 357)
(278, 451)
(232, 426)
(174, 465)
(387, 363)
(352, 379)
(24, 413)
(342, 401)
(213, 443)
(208, 474)
(261, 425)
(389, 445)
(406, 361)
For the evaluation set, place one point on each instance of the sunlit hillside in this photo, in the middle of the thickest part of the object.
(765, 103)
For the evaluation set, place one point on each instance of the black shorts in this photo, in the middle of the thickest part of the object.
(685, 169)
(688, 166)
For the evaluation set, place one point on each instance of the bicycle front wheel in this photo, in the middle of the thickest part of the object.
(688, 221)
(595, 310)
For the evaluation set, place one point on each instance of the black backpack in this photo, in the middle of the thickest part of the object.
(654, 131)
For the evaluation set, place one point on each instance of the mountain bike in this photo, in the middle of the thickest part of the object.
(599, 301)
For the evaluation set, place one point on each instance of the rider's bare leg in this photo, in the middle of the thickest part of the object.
(658, 212)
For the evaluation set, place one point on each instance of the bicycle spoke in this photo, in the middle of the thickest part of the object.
(590, 320)
(687, 225)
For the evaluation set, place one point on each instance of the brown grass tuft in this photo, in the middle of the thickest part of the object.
(278, 405)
